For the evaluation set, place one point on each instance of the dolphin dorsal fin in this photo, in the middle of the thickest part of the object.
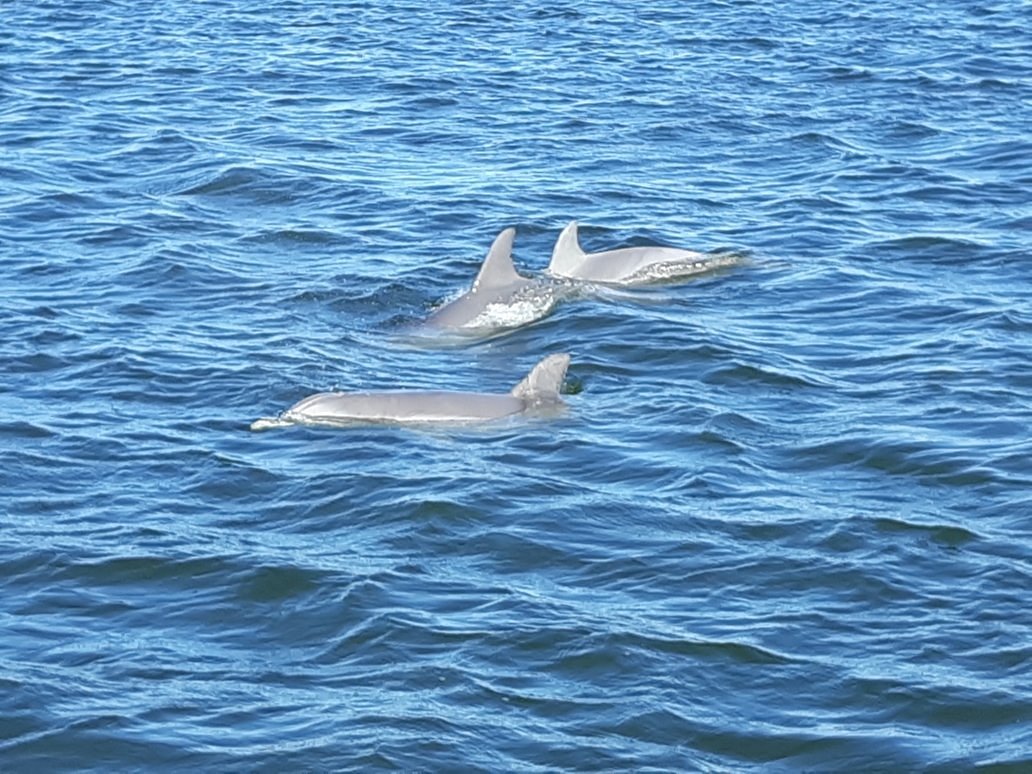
(544, 380)
(567, 252)
(498, 270)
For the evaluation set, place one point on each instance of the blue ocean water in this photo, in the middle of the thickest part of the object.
(785, 523)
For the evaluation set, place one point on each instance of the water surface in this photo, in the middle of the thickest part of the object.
(784, 523)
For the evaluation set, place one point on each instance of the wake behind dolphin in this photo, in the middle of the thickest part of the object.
(538, 392)
(627, 265)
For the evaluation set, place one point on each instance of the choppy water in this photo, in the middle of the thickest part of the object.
(785, 521)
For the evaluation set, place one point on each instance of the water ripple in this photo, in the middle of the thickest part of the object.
(782, 522)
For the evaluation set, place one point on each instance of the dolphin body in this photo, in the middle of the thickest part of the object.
(498, 284)
(624, 266)
(539, 391)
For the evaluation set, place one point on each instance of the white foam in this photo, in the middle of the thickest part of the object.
(268, 423)
(662, 272)
(523, 307)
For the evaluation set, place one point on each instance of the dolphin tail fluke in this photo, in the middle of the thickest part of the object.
(544, 380)
(567, 253)
(498, 270)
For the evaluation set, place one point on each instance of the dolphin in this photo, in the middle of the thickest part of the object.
(538, 392)
(497, 283)
(500, 297)
(624, 266)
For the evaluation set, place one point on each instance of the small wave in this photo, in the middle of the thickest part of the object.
(937, 247)
(24, 429)
(739, 373)
(261, 185)
(38, 362)
(292, 236)
(226, 181)
(950, 535)
(902, 458)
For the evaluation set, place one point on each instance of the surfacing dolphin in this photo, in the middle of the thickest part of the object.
(624, 266)
(499, 298)
(537, 393)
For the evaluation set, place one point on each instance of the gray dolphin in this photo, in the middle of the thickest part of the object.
(625, 266)
(539, 391)
(500, 297)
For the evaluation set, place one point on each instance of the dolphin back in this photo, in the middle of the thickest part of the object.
(544, 381)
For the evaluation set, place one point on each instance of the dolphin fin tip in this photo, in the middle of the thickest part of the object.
(567, 252)
(545, 379)
(498, 269)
